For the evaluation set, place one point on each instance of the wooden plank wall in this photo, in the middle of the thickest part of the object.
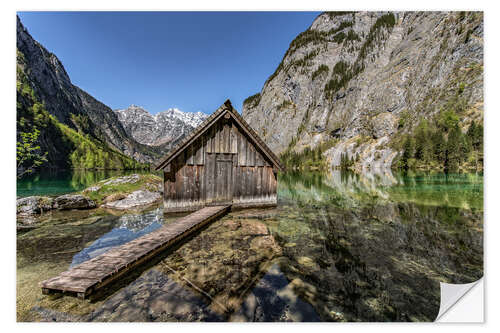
(192, 182)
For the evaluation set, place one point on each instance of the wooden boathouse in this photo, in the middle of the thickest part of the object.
(222, 162)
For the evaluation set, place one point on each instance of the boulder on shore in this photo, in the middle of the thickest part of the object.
(34, 205)
(135, 199)
(73, 201)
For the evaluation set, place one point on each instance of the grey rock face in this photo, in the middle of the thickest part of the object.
(384, 124)
(73, 201)
(33, 205)
(154, 130)
(415, 67)
(135, 199)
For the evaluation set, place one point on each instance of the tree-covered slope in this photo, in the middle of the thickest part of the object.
(42, 137)
(78, 123)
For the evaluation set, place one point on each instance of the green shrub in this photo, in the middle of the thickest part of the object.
(321, 69)
(339, 37)
(334, 14)
(448, 120)
(352, 35)
(252, 101)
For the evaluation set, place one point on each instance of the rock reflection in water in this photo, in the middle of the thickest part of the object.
(373, 259)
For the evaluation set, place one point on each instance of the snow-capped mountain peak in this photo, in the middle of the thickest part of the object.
(166, 126)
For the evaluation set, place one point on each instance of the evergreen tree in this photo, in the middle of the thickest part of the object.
(479, 137)
(423, 144)
(448, 120)
(465, 146)
(105, 161)
(453, 149)
(89, 160)
(438, 145)
(475, 136)
(408, 151)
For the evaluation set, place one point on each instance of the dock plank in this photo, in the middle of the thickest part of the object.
(107, 267)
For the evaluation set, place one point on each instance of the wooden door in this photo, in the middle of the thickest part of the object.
(223, 179)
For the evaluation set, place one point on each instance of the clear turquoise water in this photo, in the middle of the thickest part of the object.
(433, 189)
(64, 181)
(339, 247)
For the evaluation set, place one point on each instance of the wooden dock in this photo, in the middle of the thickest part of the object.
(95, 273)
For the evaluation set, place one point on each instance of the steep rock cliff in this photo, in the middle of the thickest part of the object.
(356, 80)
(45, 75)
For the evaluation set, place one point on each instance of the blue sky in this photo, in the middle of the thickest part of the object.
(190, 60)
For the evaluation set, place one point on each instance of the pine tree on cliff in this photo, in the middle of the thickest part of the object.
(438, 145)
(408, 152)
(475, 135)
(423, 144)
(453, 149)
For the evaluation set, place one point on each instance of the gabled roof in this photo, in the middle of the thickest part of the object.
(207, 123)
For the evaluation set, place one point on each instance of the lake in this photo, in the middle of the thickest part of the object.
(58, 182)
(339, 247)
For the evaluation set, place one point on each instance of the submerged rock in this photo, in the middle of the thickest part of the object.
(273, 298)
(155, 297)
(73, 201)
(33, 205)
(254, 228)
(135, 199)
(232, 225)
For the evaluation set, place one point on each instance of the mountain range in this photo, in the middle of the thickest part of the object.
(368, 88)
(159, 129)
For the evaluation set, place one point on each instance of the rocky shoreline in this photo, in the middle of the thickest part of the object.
(134, 192)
